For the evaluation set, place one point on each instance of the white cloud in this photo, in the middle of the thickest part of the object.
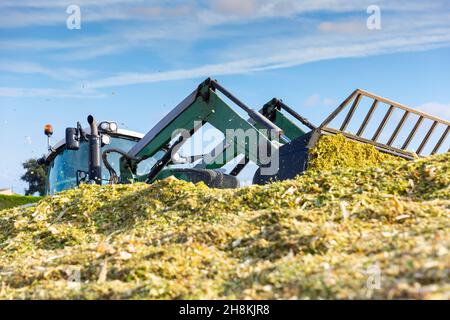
(255, 52)
(14, 92)
(316, 100)
(120, 40)
(284, 59)
(312, 101)
(52, 13)
(344, 27)
(236, 7)
(163, 32)
(45, 13)
(229, 11)
(435, 108)
(65, 74)
(46, 44)
(87, 54)
(62, 3)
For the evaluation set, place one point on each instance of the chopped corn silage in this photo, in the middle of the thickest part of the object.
(375, 232)
(334, 151)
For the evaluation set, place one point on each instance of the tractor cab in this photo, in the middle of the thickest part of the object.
(68, 164)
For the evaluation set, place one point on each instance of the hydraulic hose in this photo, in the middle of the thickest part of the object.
(113, 178)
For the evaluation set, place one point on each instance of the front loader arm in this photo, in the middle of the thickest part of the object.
(202, 106)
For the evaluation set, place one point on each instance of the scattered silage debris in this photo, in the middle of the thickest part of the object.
(325, 234)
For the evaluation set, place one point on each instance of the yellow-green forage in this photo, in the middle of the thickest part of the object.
(336, 151)
(349, 232)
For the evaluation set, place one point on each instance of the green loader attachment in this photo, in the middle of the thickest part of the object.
(275, 140)
(272, 138)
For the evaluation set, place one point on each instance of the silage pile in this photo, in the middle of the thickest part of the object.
(336, 151)
(376, 232)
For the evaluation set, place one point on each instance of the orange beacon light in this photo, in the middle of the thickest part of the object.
(48, 130)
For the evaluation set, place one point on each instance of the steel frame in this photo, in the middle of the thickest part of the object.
(403, 151)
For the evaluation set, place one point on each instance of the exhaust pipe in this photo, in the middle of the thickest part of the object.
(95, 168)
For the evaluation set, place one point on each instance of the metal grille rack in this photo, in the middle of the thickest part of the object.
(404, 149)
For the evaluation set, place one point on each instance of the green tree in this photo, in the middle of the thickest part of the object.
(35, 175)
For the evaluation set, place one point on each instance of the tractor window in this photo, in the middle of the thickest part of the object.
(64, 167)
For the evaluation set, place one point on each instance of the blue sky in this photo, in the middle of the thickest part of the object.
(132, 61)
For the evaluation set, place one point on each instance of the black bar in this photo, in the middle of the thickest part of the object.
(441, 140)
(95, 167)
(367, 118)
(399, 127)
(412, 133)
(225, 309)
(252, 113)
(351, 112)
(383, 123)
(239, 167)
(296, 115)
(427, 137)
(230, 96)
